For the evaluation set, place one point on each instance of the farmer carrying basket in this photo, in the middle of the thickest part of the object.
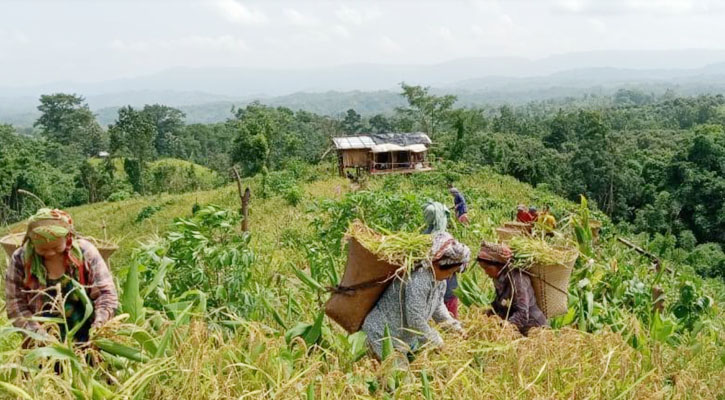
(401, 300)
(515, 299)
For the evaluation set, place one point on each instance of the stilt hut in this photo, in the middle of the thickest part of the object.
(383, 153)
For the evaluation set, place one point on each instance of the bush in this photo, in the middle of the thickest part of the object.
(708, 260)
(119, 196)
(204, 254)
(147, 212)
(686, 240)
(292, 195)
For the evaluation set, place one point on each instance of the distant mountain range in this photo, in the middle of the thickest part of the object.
(207, 94)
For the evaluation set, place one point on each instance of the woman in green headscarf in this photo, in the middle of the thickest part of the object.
(47, 272)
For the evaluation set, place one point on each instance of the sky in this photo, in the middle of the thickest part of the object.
(95, 40)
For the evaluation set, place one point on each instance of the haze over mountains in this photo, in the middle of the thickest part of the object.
(207, 94)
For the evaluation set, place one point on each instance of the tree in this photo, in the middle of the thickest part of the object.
(352, 123)
(380, 124)
(133, 135)
(66, 119)
(561, 130)
(255, 124)
(169, 123)
(464, 123)
(23, 165)
(97, 181)
(429, 110)
(506, 121)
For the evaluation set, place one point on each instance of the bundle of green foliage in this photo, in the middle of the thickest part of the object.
(201, 254)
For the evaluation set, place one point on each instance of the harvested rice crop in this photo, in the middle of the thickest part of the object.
(529, 250)
(398, 248)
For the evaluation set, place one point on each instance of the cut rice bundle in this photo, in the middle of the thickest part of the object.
(549, 267)
(404, 249)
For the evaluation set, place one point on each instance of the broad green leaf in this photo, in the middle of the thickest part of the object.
(275, 314)
(387, 343)
(298, 330)
(54, 352)
(315, 332)
(358, 345)
(100, 391)
(131, 301)
(307, 280)
(158, 277)
(87, 304)
(121, 350)
(427, 394)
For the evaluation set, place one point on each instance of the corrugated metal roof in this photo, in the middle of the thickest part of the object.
(402, 139)
(388, 147)
(367, 142)
(353, 142)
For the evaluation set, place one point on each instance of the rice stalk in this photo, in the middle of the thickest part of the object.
(531, 250)
(398, 248)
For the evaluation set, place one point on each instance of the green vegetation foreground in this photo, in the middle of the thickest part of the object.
(210, 312)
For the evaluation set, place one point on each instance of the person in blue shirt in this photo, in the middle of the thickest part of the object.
(459, 205)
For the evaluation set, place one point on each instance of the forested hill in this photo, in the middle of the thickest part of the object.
(654, 164)
(207, 95)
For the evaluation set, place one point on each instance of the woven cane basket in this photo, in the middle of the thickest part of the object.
(520, 226)
(551, 284)
(349, 308)
(505, 234)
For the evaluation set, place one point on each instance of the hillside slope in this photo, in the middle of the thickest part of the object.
(492, 362)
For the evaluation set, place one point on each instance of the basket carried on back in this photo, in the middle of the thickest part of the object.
(551, 284)
(505, 234)
(13, 241)
(520, 226)
(365, 279)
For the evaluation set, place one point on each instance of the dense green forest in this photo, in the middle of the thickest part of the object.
(655, 165)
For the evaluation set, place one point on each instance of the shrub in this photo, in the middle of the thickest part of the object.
(201, 254)
(147, 212)
(686, 240)
(292, 195)
(119, 196)
(708, 260)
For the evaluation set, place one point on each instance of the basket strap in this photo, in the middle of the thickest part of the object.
(543, 280)
(339, 289)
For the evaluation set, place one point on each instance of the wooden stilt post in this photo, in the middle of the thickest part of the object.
(340, 164)
(244, 201)
(245, 210)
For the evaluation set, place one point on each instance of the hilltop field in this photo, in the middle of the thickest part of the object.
(212, 313)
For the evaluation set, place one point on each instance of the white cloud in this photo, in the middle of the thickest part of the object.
(13, 37)
(445, 33)
(236, 12)
(341, 31)
(194, 42)
(638, 7)
(297, 18)
(355, 16)
(389, 45)
(597, 25)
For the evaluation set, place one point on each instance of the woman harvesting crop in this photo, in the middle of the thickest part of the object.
(515, 301)
(53, 274)
(408, 304)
